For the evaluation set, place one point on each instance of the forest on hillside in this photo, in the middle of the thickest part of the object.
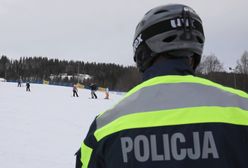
(36, 69)
(115, 77)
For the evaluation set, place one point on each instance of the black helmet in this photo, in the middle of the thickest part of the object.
(172, 29)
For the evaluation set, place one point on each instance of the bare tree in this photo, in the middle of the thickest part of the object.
(210, 64)
(242, 64)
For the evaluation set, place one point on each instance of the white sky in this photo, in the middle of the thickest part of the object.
(102, 31)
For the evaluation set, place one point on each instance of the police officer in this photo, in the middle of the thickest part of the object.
(173, 119)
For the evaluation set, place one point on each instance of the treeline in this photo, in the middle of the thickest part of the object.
(115, 77)
(236, 77)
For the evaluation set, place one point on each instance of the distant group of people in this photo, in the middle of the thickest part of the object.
(27, 85)
(93, 88)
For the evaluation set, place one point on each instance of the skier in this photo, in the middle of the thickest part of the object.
(172, 119)
(93, 89)
(28, 87)
(106, 93)
(75, 90)
(19, 83)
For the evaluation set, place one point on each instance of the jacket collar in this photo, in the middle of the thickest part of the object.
(168, 67)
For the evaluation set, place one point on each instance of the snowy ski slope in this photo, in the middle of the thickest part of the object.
(44, 128)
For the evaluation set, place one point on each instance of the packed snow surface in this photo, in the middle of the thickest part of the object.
(45, 127)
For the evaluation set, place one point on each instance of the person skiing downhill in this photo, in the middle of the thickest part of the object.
(106, 93)
(173, 119)
(19, 83)
(93, 89)
(28, 87)
(75, 90)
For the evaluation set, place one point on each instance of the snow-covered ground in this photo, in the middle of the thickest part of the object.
(45, 127)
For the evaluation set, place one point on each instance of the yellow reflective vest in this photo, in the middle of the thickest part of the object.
(171, 121)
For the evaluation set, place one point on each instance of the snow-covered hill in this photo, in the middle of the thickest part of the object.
(44, 128)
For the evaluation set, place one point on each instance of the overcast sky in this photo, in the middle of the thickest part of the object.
(102, 31)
